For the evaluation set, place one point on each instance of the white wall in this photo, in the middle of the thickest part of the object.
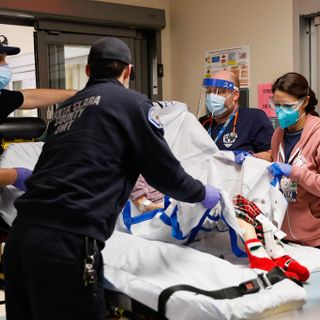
(19, 36)
(197, 26)
(194, 26)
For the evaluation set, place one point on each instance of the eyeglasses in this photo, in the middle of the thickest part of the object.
(285, 105)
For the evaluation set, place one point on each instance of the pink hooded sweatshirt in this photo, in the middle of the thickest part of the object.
(302, 219)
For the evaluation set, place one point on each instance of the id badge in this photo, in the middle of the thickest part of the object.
(229, 138)
(289, 189)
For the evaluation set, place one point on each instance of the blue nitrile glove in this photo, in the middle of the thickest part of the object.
(239, 156)
(278, 168)
(211, 198)
(22, 175)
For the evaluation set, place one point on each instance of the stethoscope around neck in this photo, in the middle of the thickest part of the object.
(233, 134)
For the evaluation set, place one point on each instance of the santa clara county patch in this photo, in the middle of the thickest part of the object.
(154, 118)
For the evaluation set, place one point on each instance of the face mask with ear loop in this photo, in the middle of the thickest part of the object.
(5, 75)
(216, 103)
(288, 114)
(213, 102)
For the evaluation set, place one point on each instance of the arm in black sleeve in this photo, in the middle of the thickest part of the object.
(9, 101)
(262, 131)
(156, 161)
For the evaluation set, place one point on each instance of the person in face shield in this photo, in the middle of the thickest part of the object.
(231, 127)
(295, 150)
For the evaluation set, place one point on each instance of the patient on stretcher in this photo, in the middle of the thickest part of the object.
(260, 255)
(145, 197)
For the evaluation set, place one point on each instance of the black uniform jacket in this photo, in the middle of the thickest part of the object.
(9, 101)
(98, 143)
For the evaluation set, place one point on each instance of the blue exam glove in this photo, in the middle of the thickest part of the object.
(22, 175)
(239, 156)
(279, 168)
(211, 198)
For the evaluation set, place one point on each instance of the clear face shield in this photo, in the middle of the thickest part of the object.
(214, 92)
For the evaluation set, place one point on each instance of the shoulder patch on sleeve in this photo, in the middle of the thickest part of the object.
(154, 118)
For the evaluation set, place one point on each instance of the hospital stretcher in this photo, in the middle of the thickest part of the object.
(143, 264)
(137, 270)
(140, 269)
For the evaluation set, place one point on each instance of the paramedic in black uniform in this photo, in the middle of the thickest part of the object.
(98, 142)
(11, 100)
(234, 128)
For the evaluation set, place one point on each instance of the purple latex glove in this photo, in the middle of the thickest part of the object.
(239, 156)
(211, 198)
(22, 175)
(279, 167)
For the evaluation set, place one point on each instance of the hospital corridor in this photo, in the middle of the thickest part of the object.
(160, 160)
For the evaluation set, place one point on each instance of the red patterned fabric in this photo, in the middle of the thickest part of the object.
(248, 211)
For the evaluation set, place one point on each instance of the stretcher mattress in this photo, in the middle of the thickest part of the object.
(142, 268)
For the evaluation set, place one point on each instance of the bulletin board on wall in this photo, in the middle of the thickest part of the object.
(235, 59)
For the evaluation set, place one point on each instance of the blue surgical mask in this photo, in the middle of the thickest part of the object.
(5, 75)
(215, 104)
(287, 116)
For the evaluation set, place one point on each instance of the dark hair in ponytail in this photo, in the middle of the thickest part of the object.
(297, 85)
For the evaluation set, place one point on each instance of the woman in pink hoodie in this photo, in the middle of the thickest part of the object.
(295, 150)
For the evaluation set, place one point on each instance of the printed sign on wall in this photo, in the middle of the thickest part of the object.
(233, 59)
(264, 94)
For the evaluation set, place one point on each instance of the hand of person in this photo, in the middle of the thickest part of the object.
(211, 198)
(22, 175)
(145, 205)
(279, 168)
(265, 155)
(239, 156)
(154, 206)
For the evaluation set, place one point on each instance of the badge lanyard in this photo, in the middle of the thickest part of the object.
(289, 187)
(233, 116)
(292, 157)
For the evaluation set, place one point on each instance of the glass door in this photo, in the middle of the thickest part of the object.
(62, 58)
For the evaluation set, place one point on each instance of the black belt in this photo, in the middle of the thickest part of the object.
(263, 281)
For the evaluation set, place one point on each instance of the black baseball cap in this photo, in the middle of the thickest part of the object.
(8, 50)
(110, 48)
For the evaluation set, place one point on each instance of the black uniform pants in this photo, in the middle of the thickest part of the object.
(44, 276)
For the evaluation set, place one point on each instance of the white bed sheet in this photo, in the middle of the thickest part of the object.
(142, 268)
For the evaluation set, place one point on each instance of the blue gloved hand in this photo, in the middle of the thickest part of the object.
(239, 156)
(22, 175)
(211, 198)
(279, 168)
